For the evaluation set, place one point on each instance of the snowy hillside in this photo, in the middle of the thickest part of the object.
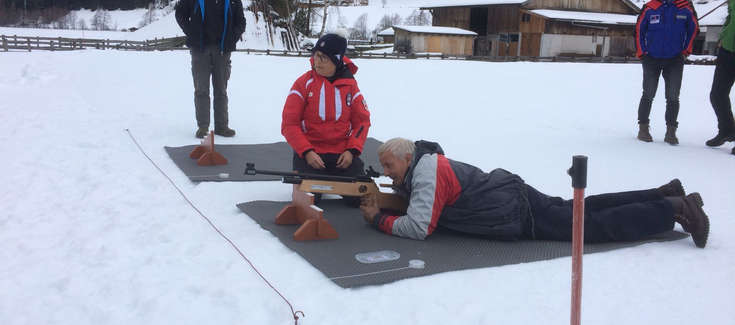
(91, 233)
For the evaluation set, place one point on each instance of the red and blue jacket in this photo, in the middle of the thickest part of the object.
(457, 196)
(666, 28)
(326, 116)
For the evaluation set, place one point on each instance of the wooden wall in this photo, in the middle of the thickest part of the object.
(561, 27)
(610, 6)
(502, 18)
(451, 17)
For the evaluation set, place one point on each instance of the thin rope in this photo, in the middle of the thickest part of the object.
(369, 273)
(294, 313)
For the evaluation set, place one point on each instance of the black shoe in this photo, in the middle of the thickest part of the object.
(672, 188)
(201, 133)
(720, 139)
(733, 151)
(225, 132)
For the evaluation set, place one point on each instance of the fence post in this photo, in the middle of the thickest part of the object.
(5, 43)
(28, 40)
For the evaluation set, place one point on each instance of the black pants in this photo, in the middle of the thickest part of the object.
(719, 96)
(330, 162)
(672, 69)
(623, 216)
(205, 64)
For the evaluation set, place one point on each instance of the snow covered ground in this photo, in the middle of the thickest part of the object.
(91, 233)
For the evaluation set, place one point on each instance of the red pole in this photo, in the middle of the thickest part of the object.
(579, 182)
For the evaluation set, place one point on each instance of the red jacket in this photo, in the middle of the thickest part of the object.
(323, 116)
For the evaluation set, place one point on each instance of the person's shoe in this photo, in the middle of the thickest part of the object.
(733, 151)
(670, 136)
(643, 133)
(672, 188)
(692, 218)
(201, 133)
(720, 139)
(225, 132)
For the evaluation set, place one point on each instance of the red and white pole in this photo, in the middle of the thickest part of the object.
(579, 183)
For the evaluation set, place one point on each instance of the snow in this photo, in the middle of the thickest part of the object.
(387, 32)
(713, 13)
(92, 233)
(587, 17)
(435, 30)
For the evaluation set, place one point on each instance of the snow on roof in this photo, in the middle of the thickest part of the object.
(463, 3)
(712, 13)
(435, 30)
(587, 17)
(387, 32)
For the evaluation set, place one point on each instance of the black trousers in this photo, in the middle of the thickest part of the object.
(719, 96)
(330, 162)
(210, 63)
(672, 70)
(623, 216)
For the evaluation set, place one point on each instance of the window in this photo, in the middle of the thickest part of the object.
(525, 18)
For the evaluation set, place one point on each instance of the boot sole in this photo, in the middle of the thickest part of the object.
(701, 242)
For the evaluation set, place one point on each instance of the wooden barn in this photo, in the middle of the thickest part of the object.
(542, 27)
(433, 39)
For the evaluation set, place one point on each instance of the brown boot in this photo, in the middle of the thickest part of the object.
(643, 133)
(672, 188)
(688, 212)
(670, 136)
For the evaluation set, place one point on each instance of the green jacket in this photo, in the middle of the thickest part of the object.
(727, 36)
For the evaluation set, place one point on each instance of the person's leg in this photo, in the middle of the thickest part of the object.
(720, 98)
(200, 70)
(673, 71)
(609, 200)
(628, 221)
(651, 73)
(220, 77)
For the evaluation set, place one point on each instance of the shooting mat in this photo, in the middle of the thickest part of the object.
(270, 156)
(441, 252)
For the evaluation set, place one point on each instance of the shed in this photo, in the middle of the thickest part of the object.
(446, 40)
(388, 35)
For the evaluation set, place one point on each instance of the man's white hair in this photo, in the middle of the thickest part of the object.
(399, 147)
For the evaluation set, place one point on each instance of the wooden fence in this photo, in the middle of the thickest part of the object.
(27, 43)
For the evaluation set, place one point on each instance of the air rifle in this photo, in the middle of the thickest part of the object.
(341, 185)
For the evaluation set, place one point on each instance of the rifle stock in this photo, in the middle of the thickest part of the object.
(341, 185)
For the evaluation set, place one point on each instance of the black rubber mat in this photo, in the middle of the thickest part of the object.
(271, 156)
(441, 252)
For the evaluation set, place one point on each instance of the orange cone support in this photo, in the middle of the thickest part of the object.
(311, 218)
(206, 154)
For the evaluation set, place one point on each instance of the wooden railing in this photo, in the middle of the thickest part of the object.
(29, 43)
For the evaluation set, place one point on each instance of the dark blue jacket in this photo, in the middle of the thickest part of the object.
(190, 15)
(666, 28)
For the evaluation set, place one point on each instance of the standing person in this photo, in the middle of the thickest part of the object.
(325, 118)
(212, 28)
(724, 77)
(499, 205)
(664, 36)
